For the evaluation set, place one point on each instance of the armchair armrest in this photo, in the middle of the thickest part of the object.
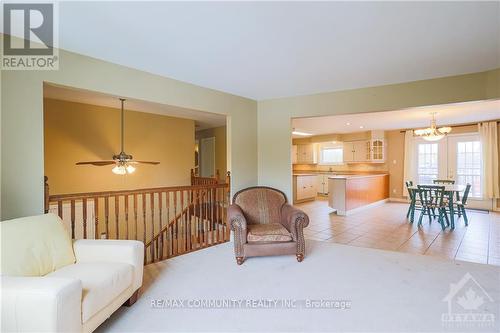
(238, 224)
(294, 220)
(41, 304)
(107, 250)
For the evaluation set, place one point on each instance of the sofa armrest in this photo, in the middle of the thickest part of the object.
(238, 224)
(107, 250)
(294, 220)
(41, 304)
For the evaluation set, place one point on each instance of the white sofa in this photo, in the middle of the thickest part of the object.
(53, 284)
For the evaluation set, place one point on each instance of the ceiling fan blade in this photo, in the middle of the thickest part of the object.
(97, 163)
(145, 162)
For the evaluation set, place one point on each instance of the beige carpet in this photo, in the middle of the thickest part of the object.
(387, 291)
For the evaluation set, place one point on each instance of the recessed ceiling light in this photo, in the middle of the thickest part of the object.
(361, 126)
(301, 133)
(348, 124)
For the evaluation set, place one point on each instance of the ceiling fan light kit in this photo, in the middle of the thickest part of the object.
(433, 133)
(123, 162)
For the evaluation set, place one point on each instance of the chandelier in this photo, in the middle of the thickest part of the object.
(432, 133)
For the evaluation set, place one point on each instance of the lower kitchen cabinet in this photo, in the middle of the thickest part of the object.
(304, 188)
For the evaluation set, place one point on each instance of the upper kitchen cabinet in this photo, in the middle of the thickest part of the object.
(371, 150)
(306, 154)
(294, 154)
(377, 147)
(355, 151)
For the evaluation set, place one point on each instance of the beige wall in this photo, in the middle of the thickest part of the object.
(274, 116)
(82, 132)
(22, 121)
(219, 133)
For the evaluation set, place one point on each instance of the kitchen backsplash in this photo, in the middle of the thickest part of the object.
(365, 167)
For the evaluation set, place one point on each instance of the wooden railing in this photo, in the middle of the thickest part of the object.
(169, 220)
(197, 180)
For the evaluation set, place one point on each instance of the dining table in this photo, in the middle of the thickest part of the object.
(452, 191)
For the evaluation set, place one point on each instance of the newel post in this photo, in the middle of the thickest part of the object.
(228, 182)
(46, 194)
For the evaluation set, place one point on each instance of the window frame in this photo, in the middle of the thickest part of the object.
(330, 145)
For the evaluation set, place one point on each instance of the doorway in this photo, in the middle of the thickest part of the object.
(456, 157)
(207, 154)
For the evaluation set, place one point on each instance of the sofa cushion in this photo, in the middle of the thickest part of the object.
(271, 232)
(260, 205)
(102, 282)
(35, 245)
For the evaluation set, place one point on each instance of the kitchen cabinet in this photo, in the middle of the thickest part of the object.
(306, 154)
(322, 184)
(348, 152)
(366, 151)
(304, 188)
(354, 151)
(294, 154)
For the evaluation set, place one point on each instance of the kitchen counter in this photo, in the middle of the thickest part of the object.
(348, 194)
(357, 176)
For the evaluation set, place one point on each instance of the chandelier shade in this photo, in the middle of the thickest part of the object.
(433, 133)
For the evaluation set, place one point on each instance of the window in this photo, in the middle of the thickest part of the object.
(469, 166)
(427, 169)
(331, 153)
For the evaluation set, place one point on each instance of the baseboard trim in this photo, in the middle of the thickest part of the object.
(359, 209)
(398, 200)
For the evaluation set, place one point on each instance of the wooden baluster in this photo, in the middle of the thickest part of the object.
(216, 204)
(60, 208)
(152, 207)
(126, 216)
(183, 222)
(135, 216)
(169, 229)
(189, 219)
(225, 201)
(84, 212)
(212, 218)
(195, 207)
(106, 215)
(46, 195)
(117, 216)
(73, 219)
(160, 236)
(96, 217)
(176, 225)
(144, 223)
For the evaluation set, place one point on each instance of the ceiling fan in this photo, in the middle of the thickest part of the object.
(124, 163)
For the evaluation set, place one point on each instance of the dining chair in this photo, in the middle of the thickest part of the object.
(460, 205)
(432, 198)
(443, 182)
(414, 201)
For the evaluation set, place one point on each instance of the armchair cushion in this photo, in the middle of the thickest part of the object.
(260, 205)
(35, 246)
(102, 283)
(271, 232)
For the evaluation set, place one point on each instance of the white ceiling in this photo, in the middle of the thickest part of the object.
(203, 120)
(449, 114)
(265, 50)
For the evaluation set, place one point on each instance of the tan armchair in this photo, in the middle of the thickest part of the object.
(265, 224)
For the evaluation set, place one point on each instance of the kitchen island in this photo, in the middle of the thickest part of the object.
(348, 194)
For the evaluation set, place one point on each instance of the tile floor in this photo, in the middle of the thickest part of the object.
(385, 227)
